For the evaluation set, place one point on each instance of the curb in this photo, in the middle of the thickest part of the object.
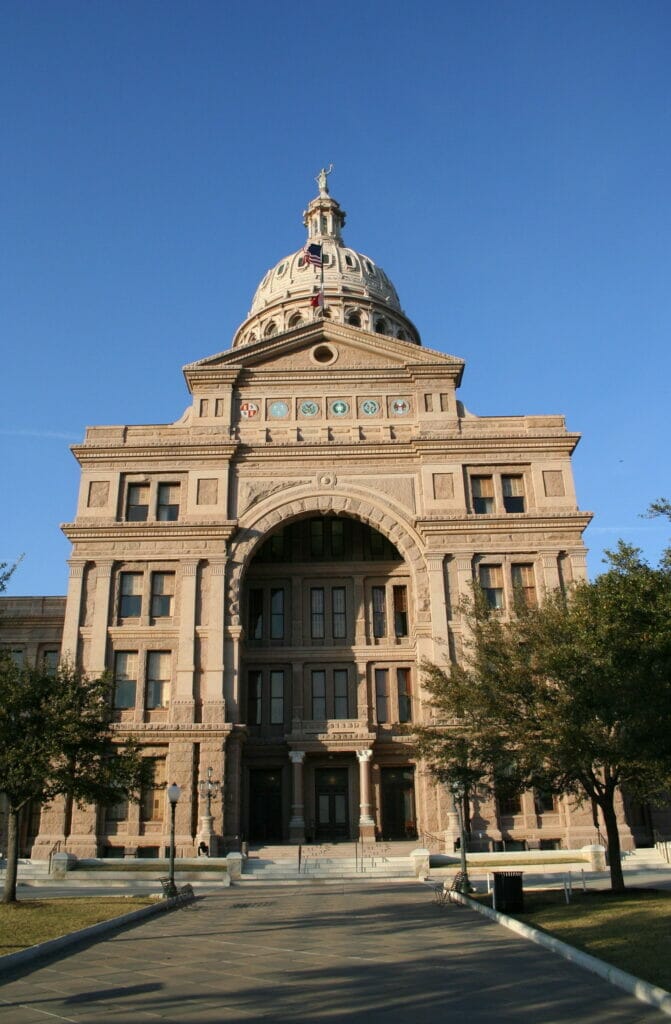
(11, 961)
(642, 990)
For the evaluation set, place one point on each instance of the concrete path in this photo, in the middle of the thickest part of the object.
(376, 954)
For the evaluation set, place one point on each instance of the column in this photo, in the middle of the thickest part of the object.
(297, 821)
(366, 822)
(435, 564)
(96, 664)
(181, 708)
(213, 689)
(232, 680)
(73, 610)
(550, 572)
(579, 564)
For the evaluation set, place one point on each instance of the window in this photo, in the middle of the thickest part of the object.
(382, 694)
(544, 800)
(491, 582)
(338, 612)
(50, 661)
(162, 592)
(152, 797)
(17, 655)
(158, 679)
(254, 691)
(400, 611)
(340, 694)
(125, 679)
(379, 612)
(116, 812)
(509, 804)
(523, 583)
(316, 538)
(318, 694)
(276, 697)
(403, 686)
(137, 505)
(277, 613)
(168, 503)
(256, 614)
(130, 595)
(482, 490)
(513, 493)
(354, 320)
(317, 613)
(337, 538)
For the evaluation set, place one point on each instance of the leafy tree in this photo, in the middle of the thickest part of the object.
(572, 696)
(55, 739)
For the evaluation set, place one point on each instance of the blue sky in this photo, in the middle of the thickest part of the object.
(507, 163)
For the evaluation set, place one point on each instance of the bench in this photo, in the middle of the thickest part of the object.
(183, 895)
(441, 893)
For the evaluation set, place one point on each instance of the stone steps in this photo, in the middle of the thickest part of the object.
(263, 870)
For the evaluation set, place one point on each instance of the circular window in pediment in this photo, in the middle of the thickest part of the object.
(324, 354)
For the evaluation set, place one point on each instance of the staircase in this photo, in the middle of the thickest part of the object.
(329, 863)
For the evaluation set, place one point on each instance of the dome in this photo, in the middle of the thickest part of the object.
(348, 287)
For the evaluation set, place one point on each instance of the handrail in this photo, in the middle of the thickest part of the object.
(56, 848)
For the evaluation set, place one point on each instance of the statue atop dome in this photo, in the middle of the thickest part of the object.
(321, 180)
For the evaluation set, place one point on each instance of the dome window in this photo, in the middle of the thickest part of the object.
(354, 319)
(349, 261)
(280, 270)
(301, 261)
(271, 329)
(401, 336)
(326, 260)
(296, 320)
(380, 326)
(369, 267)
(324, 354)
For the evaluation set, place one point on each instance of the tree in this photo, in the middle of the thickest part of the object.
(573, 695)
(55, 739)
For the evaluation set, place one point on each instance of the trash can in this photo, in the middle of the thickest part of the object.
(508, 892)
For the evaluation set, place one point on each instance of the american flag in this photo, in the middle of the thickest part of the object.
(313, 254)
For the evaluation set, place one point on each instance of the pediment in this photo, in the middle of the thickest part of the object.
(299, 351)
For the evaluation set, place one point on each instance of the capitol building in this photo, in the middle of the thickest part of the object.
(264, 576)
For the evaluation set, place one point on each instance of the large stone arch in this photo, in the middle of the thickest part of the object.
(257, 523)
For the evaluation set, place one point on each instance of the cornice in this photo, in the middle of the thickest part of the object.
(509, 523)
(161, 450)
(120, 532)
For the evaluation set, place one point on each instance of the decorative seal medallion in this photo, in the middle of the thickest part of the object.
(370, 407)
(340, 408)
(248, 410)
(278, 410)
(399, 407)
(309, 408)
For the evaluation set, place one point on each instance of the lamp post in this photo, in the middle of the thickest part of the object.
(209, 790)
(174, 793)
(458, 792)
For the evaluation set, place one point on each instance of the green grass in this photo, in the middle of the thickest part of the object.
(632, 931)
(28, 922)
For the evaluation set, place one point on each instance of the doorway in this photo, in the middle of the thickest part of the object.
(331, 804)
(398, 803)
(265, 805)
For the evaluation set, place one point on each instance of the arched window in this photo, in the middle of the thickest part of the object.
(354, 319)
(271, 329)
(296, 320)
(380, 326)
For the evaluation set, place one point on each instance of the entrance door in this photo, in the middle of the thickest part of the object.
(398, 803)
(265, 805)
(331, 803)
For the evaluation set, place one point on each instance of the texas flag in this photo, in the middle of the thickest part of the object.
(317, 300)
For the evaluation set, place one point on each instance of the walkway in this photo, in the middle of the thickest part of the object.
(375, 954)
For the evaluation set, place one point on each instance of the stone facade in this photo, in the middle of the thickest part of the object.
(264, 576)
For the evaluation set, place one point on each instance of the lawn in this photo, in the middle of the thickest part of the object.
(28, 922)
(631, 930)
